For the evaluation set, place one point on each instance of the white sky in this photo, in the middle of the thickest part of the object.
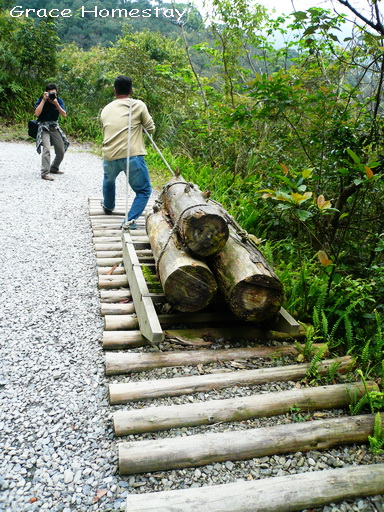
(289, 6)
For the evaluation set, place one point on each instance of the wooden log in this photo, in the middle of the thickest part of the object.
(126, 362)
(109, 254)
(187, 282)
(100, 213)
(116, 309)
(111, 322)
(106, 232)
(106, 239)
(201, 449)
(278, 494)
(198, 335)
(201, 225)
(117, 271)
(248, 283)
(108, 282)
(123, 393)
(123, 339)
(112, 246)
(152, 419)
(114, 295)
(108, 262)
(246, 332)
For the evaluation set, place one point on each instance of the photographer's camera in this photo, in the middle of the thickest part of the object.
(52, 96)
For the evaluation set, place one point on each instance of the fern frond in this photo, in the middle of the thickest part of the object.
(324, 325)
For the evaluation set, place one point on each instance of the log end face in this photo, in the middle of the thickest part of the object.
(205, 234)
(191, 288)
(255, 303)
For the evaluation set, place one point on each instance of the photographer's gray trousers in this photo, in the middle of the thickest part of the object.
(51, 138)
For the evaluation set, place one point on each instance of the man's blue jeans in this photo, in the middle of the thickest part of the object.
(138, 180)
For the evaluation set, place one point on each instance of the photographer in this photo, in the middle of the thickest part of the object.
(48, 109)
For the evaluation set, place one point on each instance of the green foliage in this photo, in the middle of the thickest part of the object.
(376, 442)
(296, 415)
(372, 399)
(24, 66)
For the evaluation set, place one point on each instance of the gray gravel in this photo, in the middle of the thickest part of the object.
(56, 433)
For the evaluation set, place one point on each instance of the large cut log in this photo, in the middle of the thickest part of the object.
(187, 282)
(124, 392)
(248, 283)
(278, 494)
(152, 419)
(126, 362)
(201, 449)
(202, 226)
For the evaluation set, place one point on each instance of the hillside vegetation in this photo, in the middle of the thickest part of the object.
(289, 139)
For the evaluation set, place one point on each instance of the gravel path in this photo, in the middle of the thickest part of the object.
(56, 433)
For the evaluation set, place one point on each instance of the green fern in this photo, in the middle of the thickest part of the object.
(313, 370)
(376, 442)
(332, 371)
(365, 354)
(373, 399)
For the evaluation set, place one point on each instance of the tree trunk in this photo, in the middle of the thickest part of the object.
(278, 494)
(127, 362)
(124, 392)
(248, 283)
(151, 419)
(201, 225)
(187, 283)
(201, 449)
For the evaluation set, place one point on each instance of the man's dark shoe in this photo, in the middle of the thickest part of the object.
(47, 177)
(107, 211)
(56, 172)
(129, 225)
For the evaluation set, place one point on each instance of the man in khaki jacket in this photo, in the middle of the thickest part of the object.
(115, 120)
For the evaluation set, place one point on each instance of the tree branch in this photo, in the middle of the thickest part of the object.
(376, 26)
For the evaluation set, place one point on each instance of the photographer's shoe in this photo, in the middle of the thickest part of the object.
(107, 211)
(130, 225)
(56, 171)
(47, 177)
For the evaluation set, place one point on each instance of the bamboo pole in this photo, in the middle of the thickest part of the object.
(122, 393)
(201, 449)
(131, 362)
(278, 494)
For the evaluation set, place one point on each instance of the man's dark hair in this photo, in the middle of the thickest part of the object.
(49, 87)
(123, 85)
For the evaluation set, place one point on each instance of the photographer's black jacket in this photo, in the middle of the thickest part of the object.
(49, 112)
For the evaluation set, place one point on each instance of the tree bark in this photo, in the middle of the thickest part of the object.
(278, 494)
(187, 282)
(152, 419)
(201, 225)
(127, 362)
(248, 283)
(201, 449)
(122, 393)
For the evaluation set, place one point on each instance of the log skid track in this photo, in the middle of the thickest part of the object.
(190, 390)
